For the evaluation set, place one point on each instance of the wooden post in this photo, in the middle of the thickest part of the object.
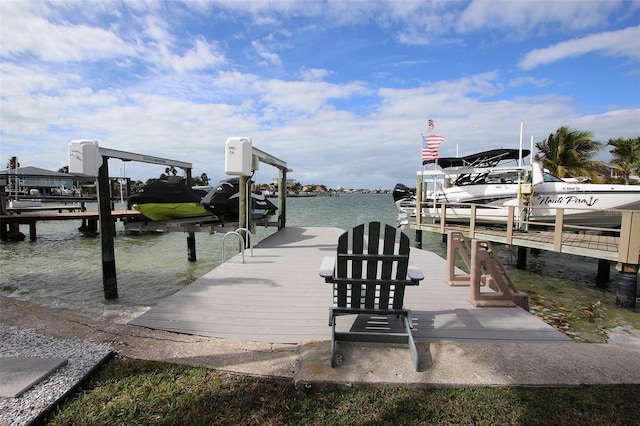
(603, 276)
(191, 236)
(626, 285)
(32, 230)
(242, 207)
(129, 193)
(191, 247)
(521, 262)
(419, 211)
(107, 231)
(282, 198)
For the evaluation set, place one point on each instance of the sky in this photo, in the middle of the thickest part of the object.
(341, 90)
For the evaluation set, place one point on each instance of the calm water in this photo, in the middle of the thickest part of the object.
(63, 268)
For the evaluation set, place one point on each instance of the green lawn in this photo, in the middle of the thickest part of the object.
(130, 392)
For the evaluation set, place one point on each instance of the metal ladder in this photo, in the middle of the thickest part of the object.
(241, 241)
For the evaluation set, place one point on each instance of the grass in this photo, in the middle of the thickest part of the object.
(128, 392)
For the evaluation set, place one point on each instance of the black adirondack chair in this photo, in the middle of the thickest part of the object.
(369, 275)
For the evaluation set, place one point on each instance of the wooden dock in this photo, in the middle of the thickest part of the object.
(618, 245)
(277, 296)
(31, 218)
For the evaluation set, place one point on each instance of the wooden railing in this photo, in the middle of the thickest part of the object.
(627, 235)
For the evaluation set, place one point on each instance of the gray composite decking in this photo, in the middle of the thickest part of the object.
(277, 296)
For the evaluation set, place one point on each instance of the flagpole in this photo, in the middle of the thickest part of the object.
(520, 152)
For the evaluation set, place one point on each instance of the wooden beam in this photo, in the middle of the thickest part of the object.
(107, 231)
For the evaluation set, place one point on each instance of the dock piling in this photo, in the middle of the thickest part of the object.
(603, 276)
(191, 247)
(107, 231)
(626, 285)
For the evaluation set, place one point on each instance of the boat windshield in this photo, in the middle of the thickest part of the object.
(488, 178)
(548, 177)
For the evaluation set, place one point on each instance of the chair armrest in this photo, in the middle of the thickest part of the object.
(327, 266)
(414, 273)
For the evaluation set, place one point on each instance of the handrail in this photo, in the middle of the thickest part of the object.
(248, 234)
(240, 240)
(628, 233)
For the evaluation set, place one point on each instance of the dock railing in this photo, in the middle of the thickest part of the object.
(621, 244)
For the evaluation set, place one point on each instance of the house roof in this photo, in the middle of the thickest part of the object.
(35, 171)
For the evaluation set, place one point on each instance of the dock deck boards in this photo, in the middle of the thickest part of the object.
(277, 296)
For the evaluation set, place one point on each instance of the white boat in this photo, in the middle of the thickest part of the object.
(489, 182)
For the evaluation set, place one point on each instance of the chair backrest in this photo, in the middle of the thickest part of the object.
(371, 268)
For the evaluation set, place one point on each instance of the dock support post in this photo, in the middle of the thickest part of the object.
(282, 199)
(107, 231)
(626, 285)
(521, 263)
(191, 247)
(32, 231)
(418, 238)
(191, 236)
(603, 276)
(243, 217)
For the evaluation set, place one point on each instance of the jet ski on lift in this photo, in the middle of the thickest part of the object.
(224, 202)
(169, 199)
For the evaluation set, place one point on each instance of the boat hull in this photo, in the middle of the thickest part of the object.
(169, 211)
(500, 215)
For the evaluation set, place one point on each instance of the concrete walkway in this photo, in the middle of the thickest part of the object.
(441, 364)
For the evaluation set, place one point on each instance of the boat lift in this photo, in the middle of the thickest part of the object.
(87, 158)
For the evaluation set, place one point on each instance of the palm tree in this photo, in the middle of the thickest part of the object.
(568, 152)
(204, 178)
(626, 155)
(13, 163)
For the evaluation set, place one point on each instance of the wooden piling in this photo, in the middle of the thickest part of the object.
(282, 198)
(626, 285)
(191, 236)
(521, 262)
(107, 231)
(603, 276)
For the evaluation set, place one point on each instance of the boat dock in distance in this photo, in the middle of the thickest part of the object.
(10, 223)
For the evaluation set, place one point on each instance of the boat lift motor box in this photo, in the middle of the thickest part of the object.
(237, 159)
(84, 158)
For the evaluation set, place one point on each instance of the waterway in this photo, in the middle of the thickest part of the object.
(63, 268)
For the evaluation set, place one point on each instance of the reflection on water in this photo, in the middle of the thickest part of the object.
(63, 268)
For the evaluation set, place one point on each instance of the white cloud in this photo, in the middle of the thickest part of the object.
(26, 29)
(203, 55)
(525, 17)
(314, 74)
(613, 43)
(269, 57)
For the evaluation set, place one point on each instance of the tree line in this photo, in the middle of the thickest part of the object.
(569, 153)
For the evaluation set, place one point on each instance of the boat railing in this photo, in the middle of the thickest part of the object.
(628, 231)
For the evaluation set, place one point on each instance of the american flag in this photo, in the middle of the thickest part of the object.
(431, 146)
(430, 125)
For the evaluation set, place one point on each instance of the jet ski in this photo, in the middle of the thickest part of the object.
(169, 199)
(224, 202)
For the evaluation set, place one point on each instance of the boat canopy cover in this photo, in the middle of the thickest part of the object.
(489, 158)
(171, 190)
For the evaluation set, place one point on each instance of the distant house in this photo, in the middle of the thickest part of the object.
(45, 181)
